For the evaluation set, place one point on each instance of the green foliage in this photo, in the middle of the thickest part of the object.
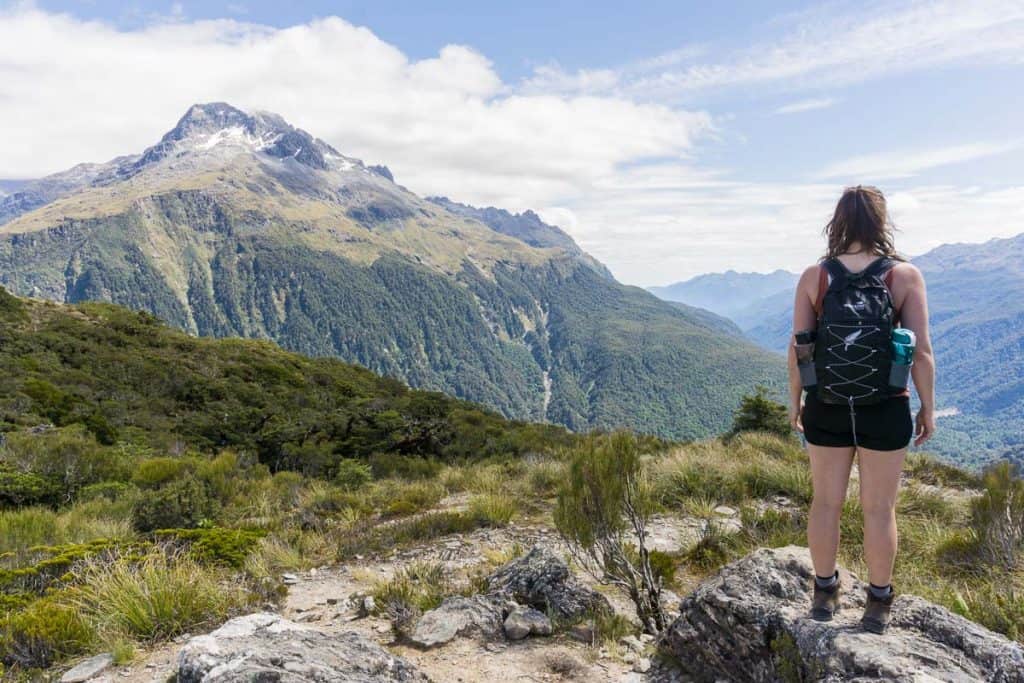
(182, 503)
(216, 545)
(416, 587)
(70, 457)
(117, 385)
(155, 472)
(997, 517)
(24, 488)
(351, 474)
(421, 528)
(759, 413)
(44, 633)
(605, 497)
(156, 598)
(493, 509)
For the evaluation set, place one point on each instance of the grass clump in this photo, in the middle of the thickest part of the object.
(157, 598)
(492, 509)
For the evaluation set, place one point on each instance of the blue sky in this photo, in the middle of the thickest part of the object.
(670, 138)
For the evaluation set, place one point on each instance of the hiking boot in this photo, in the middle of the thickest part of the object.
(825, 603)
(877, 612)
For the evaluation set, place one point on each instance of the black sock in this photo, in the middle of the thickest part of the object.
(827, 581)
(880, 591)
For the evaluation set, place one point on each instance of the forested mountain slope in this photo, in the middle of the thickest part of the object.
(239, 224)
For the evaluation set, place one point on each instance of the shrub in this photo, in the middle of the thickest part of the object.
(605, 499)
(415, 497)
(384, 465)
(154, 472)
(70, 457)
(183, 503)
(997, 517)
(351, 474)
(758, 413)
(216, 545)
(19, 488)
(44, 633)
(106, 490)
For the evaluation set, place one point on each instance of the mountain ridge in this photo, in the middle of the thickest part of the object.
(240, 225)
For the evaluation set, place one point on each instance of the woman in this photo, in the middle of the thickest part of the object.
(860, 237)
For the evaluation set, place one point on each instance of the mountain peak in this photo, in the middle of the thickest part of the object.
(216, 126)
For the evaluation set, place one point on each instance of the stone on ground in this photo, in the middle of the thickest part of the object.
(543, 581)
(88, 669)
(750, 624)
(267, 647)
(526, 621)
(459, 616)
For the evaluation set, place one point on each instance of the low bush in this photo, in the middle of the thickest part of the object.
(182, 503)
(352, 475)
(229, 547)
(44, 633)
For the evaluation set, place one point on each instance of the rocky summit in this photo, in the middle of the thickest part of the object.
(750, 624)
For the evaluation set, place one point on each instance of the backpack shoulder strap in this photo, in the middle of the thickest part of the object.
(822, 287)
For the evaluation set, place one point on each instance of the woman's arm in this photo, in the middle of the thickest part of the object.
(914, 316)
(803, 319)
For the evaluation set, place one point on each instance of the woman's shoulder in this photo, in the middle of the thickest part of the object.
(906, 273)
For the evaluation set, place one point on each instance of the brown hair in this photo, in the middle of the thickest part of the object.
(861, 217)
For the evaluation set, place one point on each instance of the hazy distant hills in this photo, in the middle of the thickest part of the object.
(735, 295)
(238, 224)
(976, 300)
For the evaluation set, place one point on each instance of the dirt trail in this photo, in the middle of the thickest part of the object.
(320, 597)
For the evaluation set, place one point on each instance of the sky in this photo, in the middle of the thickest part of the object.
(669, 138)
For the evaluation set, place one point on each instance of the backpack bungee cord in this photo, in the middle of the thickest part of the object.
(842, 361)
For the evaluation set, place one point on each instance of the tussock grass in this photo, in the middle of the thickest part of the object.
(157, 598)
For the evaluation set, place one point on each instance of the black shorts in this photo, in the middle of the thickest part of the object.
(885, 426)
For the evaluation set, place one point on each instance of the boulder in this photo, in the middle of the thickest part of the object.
(89, 669)
(266, 647)
(459, 616)
(526, 621)
(543, 581)
(750, 623)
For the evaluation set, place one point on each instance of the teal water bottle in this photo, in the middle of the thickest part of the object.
(903, 343)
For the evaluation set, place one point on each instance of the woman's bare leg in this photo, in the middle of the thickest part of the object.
(879, 486)
(830, 473)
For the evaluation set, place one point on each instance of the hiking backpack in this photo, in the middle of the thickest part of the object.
(852, 351)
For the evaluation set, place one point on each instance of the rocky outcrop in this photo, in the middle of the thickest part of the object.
(750, 624)
(267, 647)
(458, 616)
(518, 598)
(543, 581)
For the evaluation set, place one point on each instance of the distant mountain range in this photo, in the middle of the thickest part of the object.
(238, 224)
(740, 297)
(976, 302)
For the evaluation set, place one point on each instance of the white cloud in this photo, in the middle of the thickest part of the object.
(823, 47)
(806, 105)
(75, 90)
(907, 163)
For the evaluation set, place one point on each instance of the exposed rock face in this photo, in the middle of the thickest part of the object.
(266, 647)
(543, 581)
(459, 616)
(750, 623)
